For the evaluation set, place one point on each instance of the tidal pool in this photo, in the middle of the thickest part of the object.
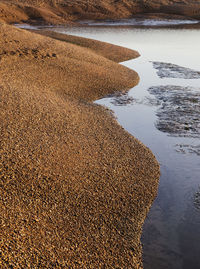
(163, 112)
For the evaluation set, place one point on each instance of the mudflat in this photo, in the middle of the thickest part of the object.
(75, 187)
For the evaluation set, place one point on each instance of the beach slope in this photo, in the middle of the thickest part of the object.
(75, 187)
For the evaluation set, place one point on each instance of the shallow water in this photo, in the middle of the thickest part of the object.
(163, 111)
(139, 22)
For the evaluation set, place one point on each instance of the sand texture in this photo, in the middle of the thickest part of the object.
(75, 187)
(114, 53)
(66, 11)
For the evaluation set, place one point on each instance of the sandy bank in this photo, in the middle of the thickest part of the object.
(114, 53)
(74, 186)
(67, 11)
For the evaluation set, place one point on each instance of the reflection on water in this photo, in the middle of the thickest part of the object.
(164, 113)
(188, 149)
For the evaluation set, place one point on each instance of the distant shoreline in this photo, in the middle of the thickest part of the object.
(66, 12)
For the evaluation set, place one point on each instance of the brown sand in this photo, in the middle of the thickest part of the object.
(75, 187)
(65, 11)
(114, 53)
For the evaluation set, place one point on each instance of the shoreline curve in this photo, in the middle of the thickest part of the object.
(75, 186)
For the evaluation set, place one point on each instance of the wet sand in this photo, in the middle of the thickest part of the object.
(75, 187)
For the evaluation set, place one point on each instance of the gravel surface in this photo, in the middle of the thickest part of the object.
(75, 187)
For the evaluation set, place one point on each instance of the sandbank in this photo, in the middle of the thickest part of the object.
(75, 187)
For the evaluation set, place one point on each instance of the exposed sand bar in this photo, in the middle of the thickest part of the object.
(75, 187)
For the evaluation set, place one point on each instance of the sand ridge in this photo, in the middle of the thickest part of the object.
(75, 187)
(114, 53)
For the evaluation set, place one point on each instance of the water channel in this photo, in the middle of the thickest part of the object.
(163, 112)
